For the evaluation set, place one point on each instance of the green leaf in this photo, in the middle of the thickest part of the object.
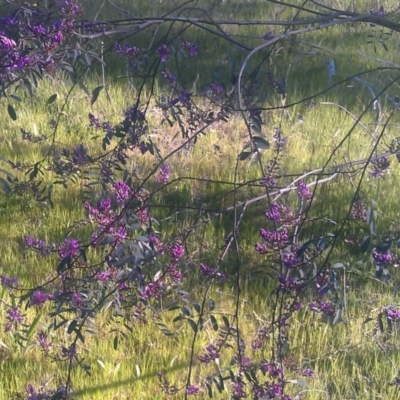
(244, 154)
(52, 98)
(365, 244)
(192, 324)
(72, 326)
(211, 305)
(214, 323)
(11, 112)
(33, 326)
(115, 343)
(226, 322)
(95, 94)
(186, 311)
(164, 329)
(197, 307)
(5, 186)
(261, 143)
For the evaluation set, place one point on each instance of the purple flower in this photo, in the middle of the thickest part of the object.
(392, 314)
(190, 48)
(153, 289)
(102, 276)
(177, 251)
(14, 318)
(216, 88)
(261, 248)
(76, 299)
(272, 368)
(381, 259)
(80, 156)
(171, 79)
(163, 52)
(307, 372)
(358, 210)
(7, 282)
(43, 342)
(320, 306)
(69, 352)
(38, 298)
(238, 390)
(380, 12)
(163, 174)
(268, 181)
(174, 272)
(290, 260)
(69, 248)
(104, 205)
(274, 238)
(126, 50)
(303, 191)
(380, 166)
(122, 192)
(192, 390)
(6, 44)
(297, 305)
(207, 271)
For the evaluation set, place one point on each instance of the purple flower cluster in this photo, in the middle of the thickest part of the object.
(190, 48)
(42, 341)
(163, 53)
(153, 289)
(380, 12)
(273, 369)
(303, 191)
(132, 52)
(14, 318)
(238, 391)
(8, 282)
(69, 352)
(275, 238)
(39, 245)
(38, 298)
(177, 251)
(163, 174)
(307, 372)
(212, 353)
(322, 307)
(358, 210)
(45, 394)
(381, 260)
(207, 271)
(156, 244)
(280, 214)
(69, 248)
(268, 181)
(169, 77)
(288, 284)
(29, 42)
(380, 166)
(219, 90)
(192, 390)
(290, 260)
(392, 314)
(80, 155)
(122, 192)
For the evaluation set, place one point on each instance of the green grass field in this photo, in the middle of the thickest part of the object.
(351, 361)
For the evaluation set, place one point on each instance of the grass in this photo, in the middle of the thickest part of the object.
(350, 361)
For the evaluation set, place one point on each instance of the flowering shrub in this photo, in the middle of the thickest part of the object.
(121, 266)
